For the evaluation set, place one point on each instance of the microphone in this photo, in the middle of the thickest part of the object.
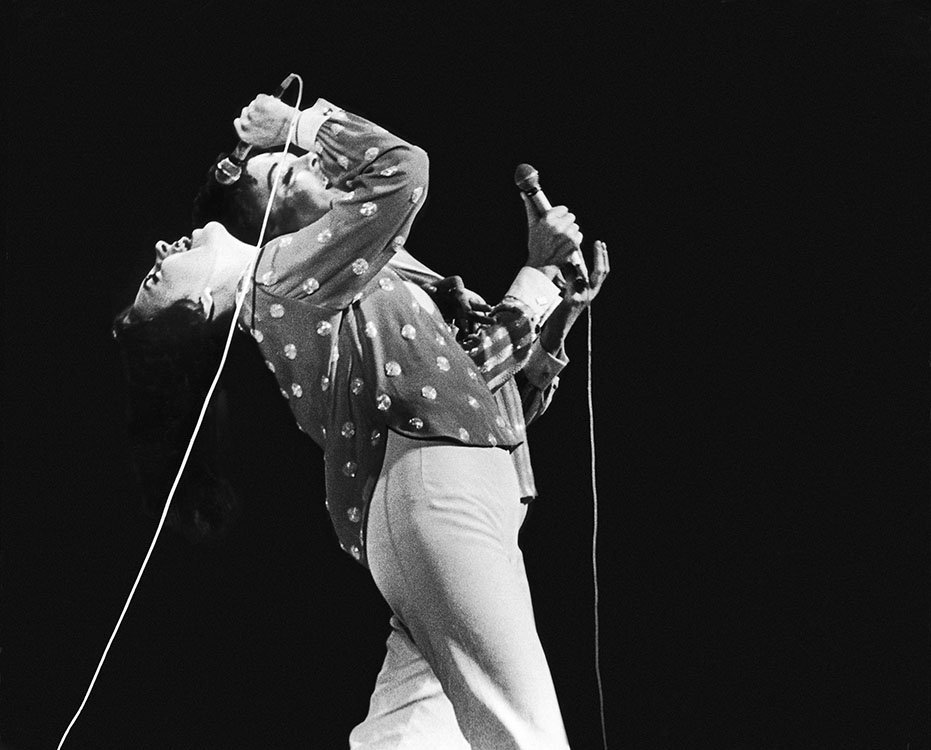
(527, 180)
(230, 169)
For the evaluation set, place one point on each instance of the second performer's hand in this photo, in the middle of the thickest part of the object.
(465, 309)
(551, 238)
(265, 121)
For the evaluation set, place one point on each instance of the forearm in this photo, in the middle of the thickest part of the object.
(355, 153)
(383, 180)
(563, 317)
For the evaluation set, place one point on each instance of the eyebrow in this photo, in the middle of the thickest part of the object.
(271, 173)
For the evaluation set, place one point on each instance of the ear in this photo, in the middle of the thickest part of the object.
(206, 302)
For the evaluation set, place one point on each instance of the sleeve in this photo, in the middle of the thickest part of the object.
(538, 380)
(411, 269)
(384, 182)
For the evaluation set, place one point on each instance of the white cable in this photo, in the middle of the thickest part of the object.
(216, 379)
(591, 435)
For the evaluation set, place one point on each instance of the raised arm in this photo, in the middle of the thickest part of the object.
(384, 181)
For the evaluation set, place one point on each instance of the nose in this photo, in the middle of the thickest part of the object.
(309, 161)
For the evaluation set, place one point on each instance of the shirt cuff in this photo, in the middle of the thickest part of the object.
(532, 288)
(310, 121)
(542, 367)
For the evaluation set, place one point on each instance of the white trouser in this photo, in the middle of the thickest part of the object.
(464, 666)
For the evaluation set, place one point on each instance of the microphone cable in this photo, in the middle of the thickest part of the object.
(240, 299)
(591, 437)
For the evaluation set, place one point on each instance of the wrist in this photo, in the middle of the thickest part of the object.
(552, 342)
(551, 271)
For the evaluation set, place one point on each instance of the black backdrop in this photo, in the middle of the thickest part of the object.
(760, 172)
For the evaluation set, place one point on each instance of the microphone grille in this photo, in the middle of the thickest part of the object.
(526, 178)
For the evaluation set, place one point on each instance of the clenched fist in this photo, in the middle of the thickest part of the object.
(265, 121)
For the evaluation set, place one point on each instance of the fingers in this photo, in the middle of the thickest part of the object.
(601, 266)
(562, 221)
(264, 121)
(240, 130)
(477, 303)
(450, 284)
(530, 209)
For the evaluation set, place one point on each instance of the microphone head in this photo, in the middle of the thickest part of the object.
(227, 172)
(526, 178)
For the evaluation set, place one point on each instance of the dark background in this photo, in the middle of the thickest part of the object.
(760, 172)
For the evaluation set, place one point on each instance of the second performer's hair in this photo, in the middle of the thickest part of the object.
(234, 206)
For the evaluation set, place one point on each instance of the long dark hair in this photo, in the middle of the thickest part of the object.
(169, 361)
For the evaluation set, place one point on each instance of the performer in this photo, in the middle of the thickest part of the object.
(420, 485)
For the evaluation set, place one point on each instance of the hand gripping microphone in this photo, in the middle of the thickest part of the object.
(527, 180)
(230, 169)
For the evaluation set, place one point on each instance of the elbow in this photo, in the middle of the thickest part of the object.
(418, 165)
